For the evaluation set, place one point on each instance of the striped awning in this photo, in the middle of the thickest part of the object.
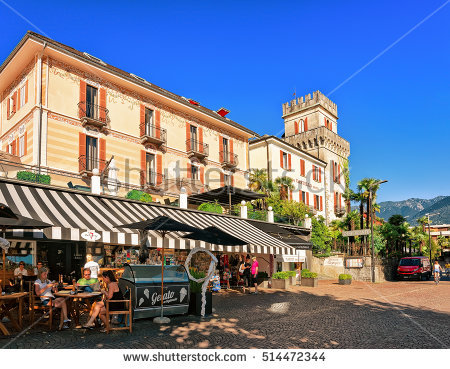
(73, 213)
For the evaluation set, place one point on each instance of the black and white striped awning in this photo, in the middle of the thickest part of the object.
(73, 213)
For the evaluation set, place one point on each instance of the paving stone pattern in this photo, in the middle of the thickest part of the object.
(405, 314)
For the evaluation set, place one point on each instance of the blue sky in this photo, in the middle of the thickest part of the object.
(250, 56)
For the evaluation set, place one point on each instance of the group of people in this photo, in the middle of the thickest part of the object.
(247, 272)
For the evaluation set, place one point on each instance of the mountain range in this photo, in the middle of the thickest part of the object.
(415, 208)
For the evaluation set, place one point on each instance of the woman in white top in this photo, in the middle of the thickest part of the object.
(44, 289)
(93, 266)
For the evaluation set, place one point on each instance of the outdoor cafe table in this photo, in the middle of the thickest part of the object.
(7, 305)
(73, 302)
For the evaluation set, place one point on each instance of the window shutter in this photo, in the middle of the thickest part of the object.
(331, 126)
(232, 180)
(18, 99)
(200, 139)
(340, 200)
(142, 120)
(339, 174)
(81, 151)
(102, 154)
(302, 163)
(82, 105)
(158, 124)
(306, 124)
(15, 102)
(231, 151)
(221, 150)
(321, 203)
(202, 175)
(314, 172)
(307, 198)
(158, 169)
(296, 127)
(25, 137)
(315, 202)
(325, 121)
(26, 91)
(320, 174)
(188, 136)
(143, 167)
(102, 105)
(290, 194)
(221, 179)
(8, 110)
(289, 161)
(281, 159)
(189, 173)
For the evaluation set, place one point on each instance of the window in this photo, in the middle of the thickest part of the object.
(193, 131)
(91, 153)
(285, 161)
(303, 197)
(91, 102)
(301, 126)
(150, 163)
(317, 174)
(336, 172)
(318, 202)
(22, 96)
(194, 172)
(21, 146)
(149, 122)
(11, 105)
(226, 180)
(226, 155)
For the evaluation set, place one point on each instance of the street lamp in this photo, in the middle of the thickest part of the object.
(429, 232)
(371, 225)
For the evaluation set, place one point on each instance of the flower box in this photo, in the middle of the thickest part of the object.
(345, 281)
(281, 284)
(310, 282)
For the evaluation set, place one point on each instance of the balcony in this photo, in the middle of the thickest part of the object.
(87, 164)
(151, 180)
(93, 115)
(197, 149)
(153, 135)
(339, 211)
(228, 160)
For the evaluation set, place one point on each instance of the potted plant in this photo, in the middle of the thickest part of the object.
(263, 280)
(195, 302)
(280, 280)
(309, 279)
(345, 279)
(292, 277)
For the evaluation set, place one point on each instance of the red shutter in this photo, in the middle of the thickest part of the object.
(325, 121)
(306, 124)
(102, 154)
(158, 123)
(321, 203)
(331, 126)
(232, 180)
(281, 159)
(314, 172)
(200, 139)
(25, 136)
(289, 161)
(315, 202)
(221, 151)
(81, 151)
(158, 169)
(302, 167)
(340, 200)
(142, 121)
(320, 174)
(290, 194)
(102, 104)
(188, 168)
(143, 167)
(339, 174)
(8, 110)
(15, 102)
(82, 105)
(26, 91)
(307, 198)
(221, 180)
(18, 99)
(231, 152)
(296, 127)
(202, 175)
(188, 136)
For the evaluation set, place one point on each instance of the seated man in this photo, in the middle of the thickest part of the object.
(87, 281)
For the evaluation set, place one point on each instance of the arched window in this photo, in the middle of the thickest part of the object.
(301, 125)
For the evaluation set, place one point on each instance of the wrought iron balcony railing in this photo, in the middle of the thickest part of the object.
(93, 114)
(151, 134)
(197, 148)
(228, 159)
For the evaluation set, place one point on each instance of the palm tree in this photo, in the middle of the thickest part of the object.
(364, 186)
(258, 177)
(284, 184)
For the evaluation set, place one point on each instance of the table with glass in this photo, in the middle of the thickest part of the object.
(78, 303)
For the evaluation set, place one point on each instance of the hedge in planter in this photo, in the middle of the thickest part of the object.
(33, 177)
(309, 279)
(139, 196)
(345, 279)
(280, 280)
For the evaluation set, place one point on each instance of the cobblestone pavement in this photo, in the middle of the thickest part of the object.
(406, 314)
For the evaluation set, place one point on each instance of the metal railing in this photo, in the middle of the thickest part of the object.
(153, 178)
(228, 158)
(152, 131)
(197, 147)
(92, 111)
(87, 164)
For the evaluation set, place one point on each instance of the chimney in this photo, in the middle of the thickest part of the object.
(222, 112)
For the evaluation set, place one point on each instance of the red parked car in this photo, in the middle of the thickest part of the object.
(414, 267)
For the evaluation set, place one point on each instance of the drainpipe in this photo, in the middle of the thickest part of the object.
(39, 99)
(269, 174)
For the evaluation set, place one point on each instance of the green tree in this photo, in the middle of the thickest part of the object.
(396, 234)
(258, 179)
(364, 185)
(294, 211)
(320, 236)
(284, 185)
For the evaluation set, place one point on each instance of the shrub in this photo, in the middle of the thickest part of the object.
(210, 207)
(280, 275)
(196, 287)
(292, 273)
(307, 274)
(345, 276)
(139, 196)
(33, 177)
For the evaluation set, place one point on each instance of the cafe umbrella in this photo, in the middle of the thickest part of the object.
(19, 222)
(162, 225)
(215, 235)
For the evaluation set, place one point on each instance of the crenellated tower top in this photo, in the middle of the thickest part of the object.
(307, 101)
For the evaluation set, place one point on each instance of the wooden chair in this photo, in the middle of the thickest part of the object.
(127, 313)
(37, 305)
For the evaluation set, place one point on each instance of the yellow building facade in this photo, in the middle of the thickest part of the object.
(84, 112)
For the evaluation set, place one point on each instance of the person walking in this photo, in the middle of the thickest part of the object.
(254, 272)
(437, 271)
(246, 273)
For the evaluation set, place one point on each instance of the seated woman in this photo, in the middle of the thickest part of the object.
(112, 294)
(43, 289)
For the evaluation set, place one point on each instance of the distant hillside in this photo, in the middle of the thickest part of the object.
(415, 208)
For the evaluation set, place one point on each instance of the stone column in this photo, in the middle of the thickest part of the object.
(243, 209)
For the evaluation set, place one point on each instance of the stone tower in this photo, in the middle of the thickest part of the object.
(310, 123)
